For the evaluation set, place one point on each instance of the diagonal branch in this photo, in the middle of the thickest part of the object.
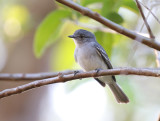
(64, 78)
(145, 21)
(87, 12)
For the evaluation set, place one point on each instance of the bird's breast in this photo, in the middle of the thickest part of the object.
(88, 58)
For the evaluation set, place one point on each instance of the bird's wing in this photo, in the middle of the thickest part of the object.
(102, 53)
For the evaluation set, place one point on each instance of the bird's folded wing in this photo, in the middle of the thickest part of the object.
(102, 53)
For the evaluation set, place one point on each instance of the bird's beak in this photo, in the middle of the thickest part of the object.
(71, 36)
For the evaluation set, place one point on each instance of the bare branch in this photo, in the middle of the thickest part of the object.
(64, 78)
(87, 12)
(31, 76)
(150, 12)
(144, 19)
(148, 27)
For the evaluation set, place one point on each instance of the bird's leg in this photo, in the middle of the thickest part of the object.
(98, 80)
(76, 72)
(98, 70)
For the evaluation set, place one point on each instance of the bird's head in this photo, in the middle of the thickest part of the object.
(82, 36)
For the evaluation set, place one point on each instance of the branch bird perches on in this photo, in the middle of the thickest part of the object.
(64, 77)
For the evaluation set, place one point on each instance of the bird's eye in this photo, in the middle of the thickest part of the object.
(81, 36)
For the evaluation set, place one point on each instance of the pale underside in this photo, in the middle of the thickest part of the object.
(89, 59)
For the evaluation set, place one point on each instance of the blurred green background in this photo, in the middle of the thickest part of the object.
(33, 38)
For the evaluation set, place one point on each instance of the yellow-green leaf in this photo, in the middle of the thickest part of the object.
(48, 31)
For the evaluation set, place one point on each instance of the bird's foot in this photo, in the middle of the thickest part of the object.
(76, 72)
(98, 70)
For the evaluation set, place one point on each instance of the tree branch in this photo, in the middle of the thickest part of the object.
(31, 76)
(87, 12)
(148, 28)
(145, 21)
(64, 78)
(150, 12)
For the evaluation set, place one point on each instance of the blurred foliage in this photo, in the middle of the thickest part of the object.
(64, 51)
(15, 20)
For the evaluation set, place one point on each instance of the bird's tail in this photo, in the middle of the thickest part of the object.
(118, 93)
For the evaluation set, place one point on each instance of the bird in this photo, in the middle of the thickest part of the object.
(90, 55)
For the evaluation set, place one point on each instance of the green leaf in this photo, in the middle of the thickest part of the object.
(110, 10)
(87, 2)
(110, 6)
(130, 5)
(107, 7)
(115, 17)
(48, 31)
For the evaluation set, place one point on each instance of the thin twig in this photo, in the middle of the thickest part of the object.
(148, 28)
(150, 12)
(31, 76)
(145, 21)
(155, 51)
(87, 12)
(64, 78)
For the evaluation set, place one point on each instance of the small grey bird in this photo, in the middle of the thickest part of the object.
(91, 56)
